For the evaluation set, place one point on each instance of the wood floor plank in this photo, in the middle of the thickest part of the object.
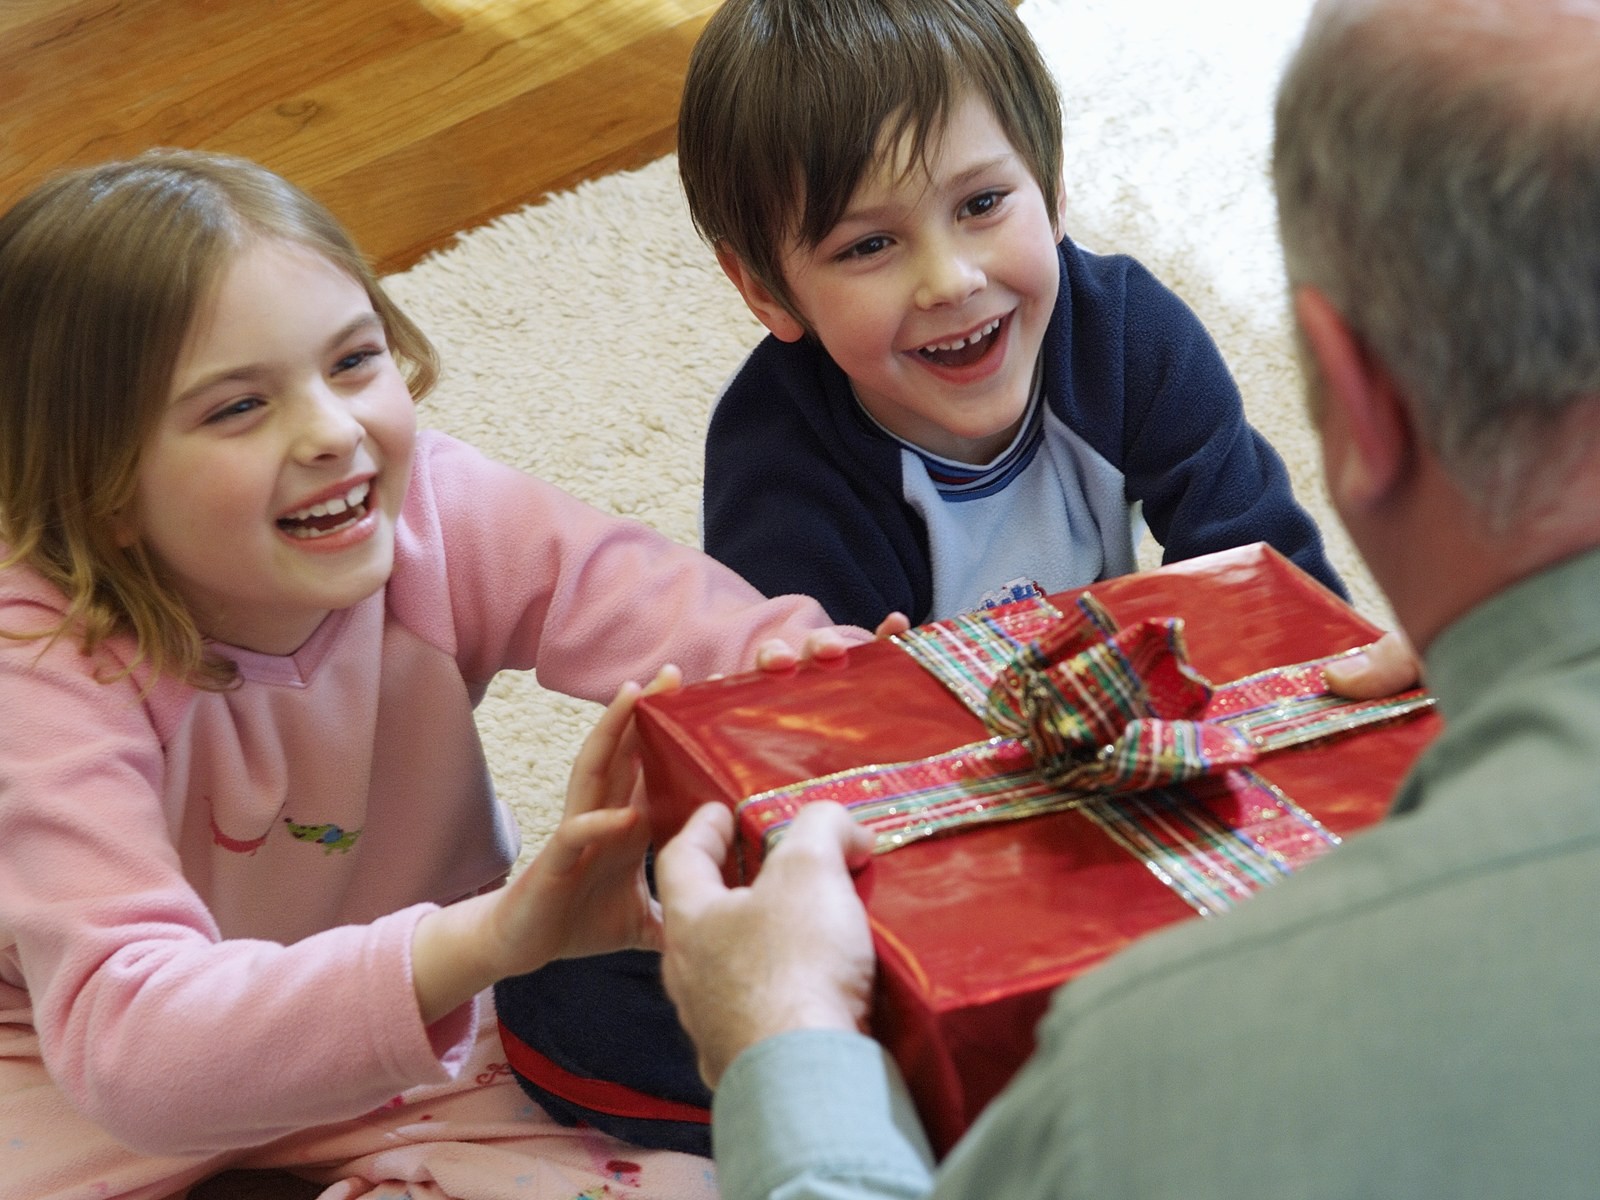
(418, 94)
(540, 141)
(59, 15)
(198, 68)
(415, 118)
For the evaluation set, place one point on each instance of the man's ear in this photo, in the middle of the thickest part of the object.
(783, 324)
(1368, 438)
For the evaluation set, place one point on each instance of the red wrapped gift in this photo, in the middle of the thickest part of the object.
(975, 927)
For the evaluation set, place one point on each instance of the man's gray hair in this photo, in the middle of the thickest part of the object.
(1437, 166)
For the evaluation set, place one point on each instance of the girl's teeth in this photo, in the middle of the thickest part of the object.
(306, 531)
(351, 499)
(313, 520)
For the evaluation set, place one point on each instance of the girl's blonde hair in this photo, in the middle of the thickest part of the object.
(102, 270)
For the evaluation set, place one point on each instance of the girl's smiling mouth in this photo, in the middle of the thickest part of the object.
(328, 516)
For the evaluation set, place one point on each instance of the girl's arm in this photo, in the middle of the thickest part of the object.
(145, 1014)
(535, 579)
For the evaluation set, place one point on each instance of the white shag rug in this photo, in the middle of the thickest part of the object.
(584, 338)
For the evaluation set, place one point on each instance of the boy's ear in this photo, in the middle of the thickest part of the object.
(1060, 227)
(783, 324)
(1369, 441)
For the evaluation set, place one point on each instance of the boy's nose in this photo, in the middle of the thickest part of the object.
(948, 277)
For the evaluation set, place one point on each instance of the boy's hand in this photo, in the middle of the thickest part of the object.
(1384, 667)
(821, 644)
(584, 893)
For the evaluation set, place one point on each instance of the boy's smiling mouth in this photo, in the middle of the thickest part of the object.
(328, 516)
(963, 351)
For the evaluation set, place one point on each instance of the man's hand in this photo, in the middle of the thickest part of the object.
(791, 951)
(1387, 666)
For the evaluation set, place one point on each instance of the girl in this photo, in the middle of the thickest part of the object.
(249, 851)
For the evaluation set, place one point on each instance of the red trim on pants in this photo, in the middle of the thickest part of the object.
(601, 1095)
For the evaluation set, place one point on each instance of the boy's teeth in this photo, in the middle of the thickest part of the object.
(973, 340)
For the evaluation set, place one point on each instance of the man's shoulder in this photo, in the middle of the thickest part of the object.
(1389, 907)
(1425, 966)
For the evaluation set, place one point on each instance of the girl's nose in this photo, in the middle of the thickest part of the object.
(328, 428)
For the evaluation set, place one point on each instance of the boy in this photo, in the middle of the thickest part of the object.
(955, 399)
(949, 403)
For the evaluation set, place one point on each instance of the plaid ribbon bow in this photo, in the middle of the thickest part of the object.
(1103, 710)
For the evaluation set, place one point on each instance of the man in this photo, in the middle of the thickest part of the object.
(1416, 1015)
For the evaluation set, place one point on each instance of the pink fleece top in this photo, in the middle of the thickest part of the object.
(207, 899)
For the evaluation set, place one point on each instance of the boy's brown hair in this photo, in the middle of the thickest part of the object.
(102, 270)
(788, 104)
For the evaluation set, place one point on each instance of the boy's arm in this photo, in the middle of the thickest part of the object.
(801, 497)
(1208, 480)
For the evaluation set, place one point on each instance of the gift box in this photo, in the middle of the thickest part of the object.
(1196, 759)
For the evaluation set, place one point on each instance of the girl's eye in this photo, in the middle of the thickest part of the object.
(356, 359)
(234, 408)
(982, 204)
(866, 247)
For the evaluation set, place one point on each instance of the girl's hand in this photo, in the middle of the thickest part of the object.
(823, 644)
(584, 892)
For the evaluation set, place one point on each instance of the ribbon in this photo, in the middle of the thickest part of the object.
(1115, 723)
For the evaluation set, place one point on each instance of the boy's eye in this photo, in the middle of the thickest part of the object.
(866, 247)
(982, 204)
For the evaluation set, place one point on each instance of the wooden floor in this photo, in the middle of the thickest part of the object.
(411, 119)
